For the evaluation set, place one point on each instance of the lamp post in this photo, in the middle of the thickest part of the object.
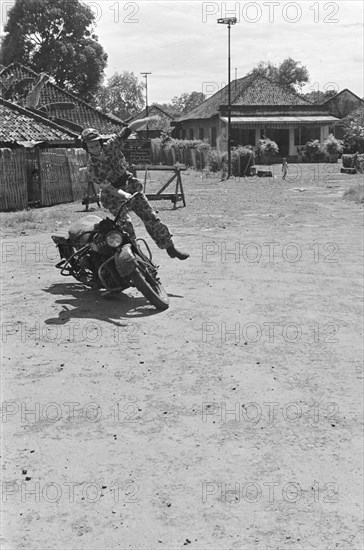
(146, 96)
(228, 21)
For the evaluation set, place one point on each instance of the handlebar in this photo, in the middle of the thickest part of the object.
(126, 203)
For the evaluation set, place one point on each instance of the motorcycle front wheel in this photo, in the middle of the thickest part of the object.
(151, 289)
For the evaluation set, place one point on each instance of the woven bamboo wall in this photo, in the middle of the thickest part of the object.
(60, 175)
(77, 159)
(13, 180)
(61, 172)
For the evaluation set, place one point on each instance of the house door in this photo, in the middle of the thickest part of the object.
(33, 179)
(281, 137)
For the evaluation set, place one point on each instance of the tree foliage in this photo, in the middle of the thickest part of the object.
(122, 96)
(319, 97)
(353, 126)
(56, 37)
(187, 102)
(289, 73)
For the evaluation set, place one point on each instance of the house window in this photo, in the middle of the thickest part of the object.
(183, 134)
(191, 133)
(242, 136)
(201, 134)
(213, 136)
(308, 133)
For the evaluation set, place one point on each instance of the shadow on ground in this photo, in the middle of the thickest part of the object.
(82, 303)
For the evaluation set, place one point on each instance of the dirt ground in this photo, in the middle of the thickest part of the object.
(231, 420)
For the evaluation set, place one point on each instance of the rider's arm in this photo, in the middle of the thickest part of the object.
(139, 123)
(125, 132)
(113, 190)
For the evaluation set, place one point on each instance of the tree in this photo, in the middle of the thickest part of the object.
(122, 96)
(353, 126)
(56, 37)
(266, 69)
(188, 101)
(319, 97)
(289, 73)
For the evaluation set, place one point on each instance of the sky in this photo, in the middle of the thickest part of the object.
(185, 49)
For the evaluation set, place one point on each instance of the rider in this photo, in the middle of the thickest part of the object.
(107, 167)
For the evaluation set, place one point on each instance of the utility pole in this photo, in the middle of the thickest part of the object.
(146, 95)
(228, 21)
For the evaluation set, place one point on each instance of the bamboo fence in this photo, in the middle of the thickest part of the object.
(13, 179)
(61, 177)
(170, 155)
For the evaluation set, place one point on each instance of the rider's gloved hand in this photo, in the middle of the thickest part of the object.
(134, 185)
(124, 194)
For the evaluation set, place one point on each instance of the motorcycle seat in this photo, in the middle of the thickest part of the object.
(79, 230)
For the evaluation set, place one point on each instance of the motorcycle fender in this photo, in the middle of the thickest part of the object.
(125, 261)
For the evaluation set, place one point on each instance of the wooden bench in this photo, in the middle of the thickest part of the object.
(264, 174)
(178, 194)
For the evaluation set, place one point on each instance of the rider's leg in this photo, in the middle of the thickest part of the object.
(153, 224)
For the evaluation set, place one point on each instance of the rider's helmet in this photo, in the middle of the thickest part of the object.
(89, 134)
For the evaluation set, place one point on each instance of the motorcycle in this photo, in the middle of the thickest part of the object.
(105, 254)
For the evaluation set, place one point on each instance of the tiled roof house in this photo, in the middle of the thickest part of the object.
(30, 175)
(81, 116)
(259, 108)
(343, 103)
(155, 127)
(20, 126)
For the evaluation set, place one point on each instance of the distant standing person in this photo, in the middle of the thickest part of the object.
(284, 169)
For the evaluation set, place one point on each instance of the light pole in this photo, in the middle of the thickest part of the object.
(228, 21)
(146, 96)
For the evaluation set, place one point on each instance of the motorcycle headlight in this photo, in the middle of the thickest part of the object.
(114, 239)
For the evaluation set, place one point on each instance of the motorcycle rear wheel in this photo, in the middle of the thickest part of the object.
(155, 294)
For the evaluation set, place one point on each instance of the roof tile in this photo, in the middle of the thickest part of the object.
(249, 90)
(18, 124)
(84, 115)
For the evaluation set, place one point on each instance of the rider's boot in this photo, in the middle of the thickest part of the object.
(174, 253)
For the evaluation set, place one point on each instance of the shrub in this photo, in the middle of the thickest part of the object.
(332, 145)
(241, 160)
(185, 151)
(189, 144)
(313, 151)
(359, 162)
(216, 160)
(268, 147)
(353, 126)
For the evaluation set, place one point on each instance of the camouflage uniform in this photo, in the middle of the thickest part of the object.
(114, 168)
